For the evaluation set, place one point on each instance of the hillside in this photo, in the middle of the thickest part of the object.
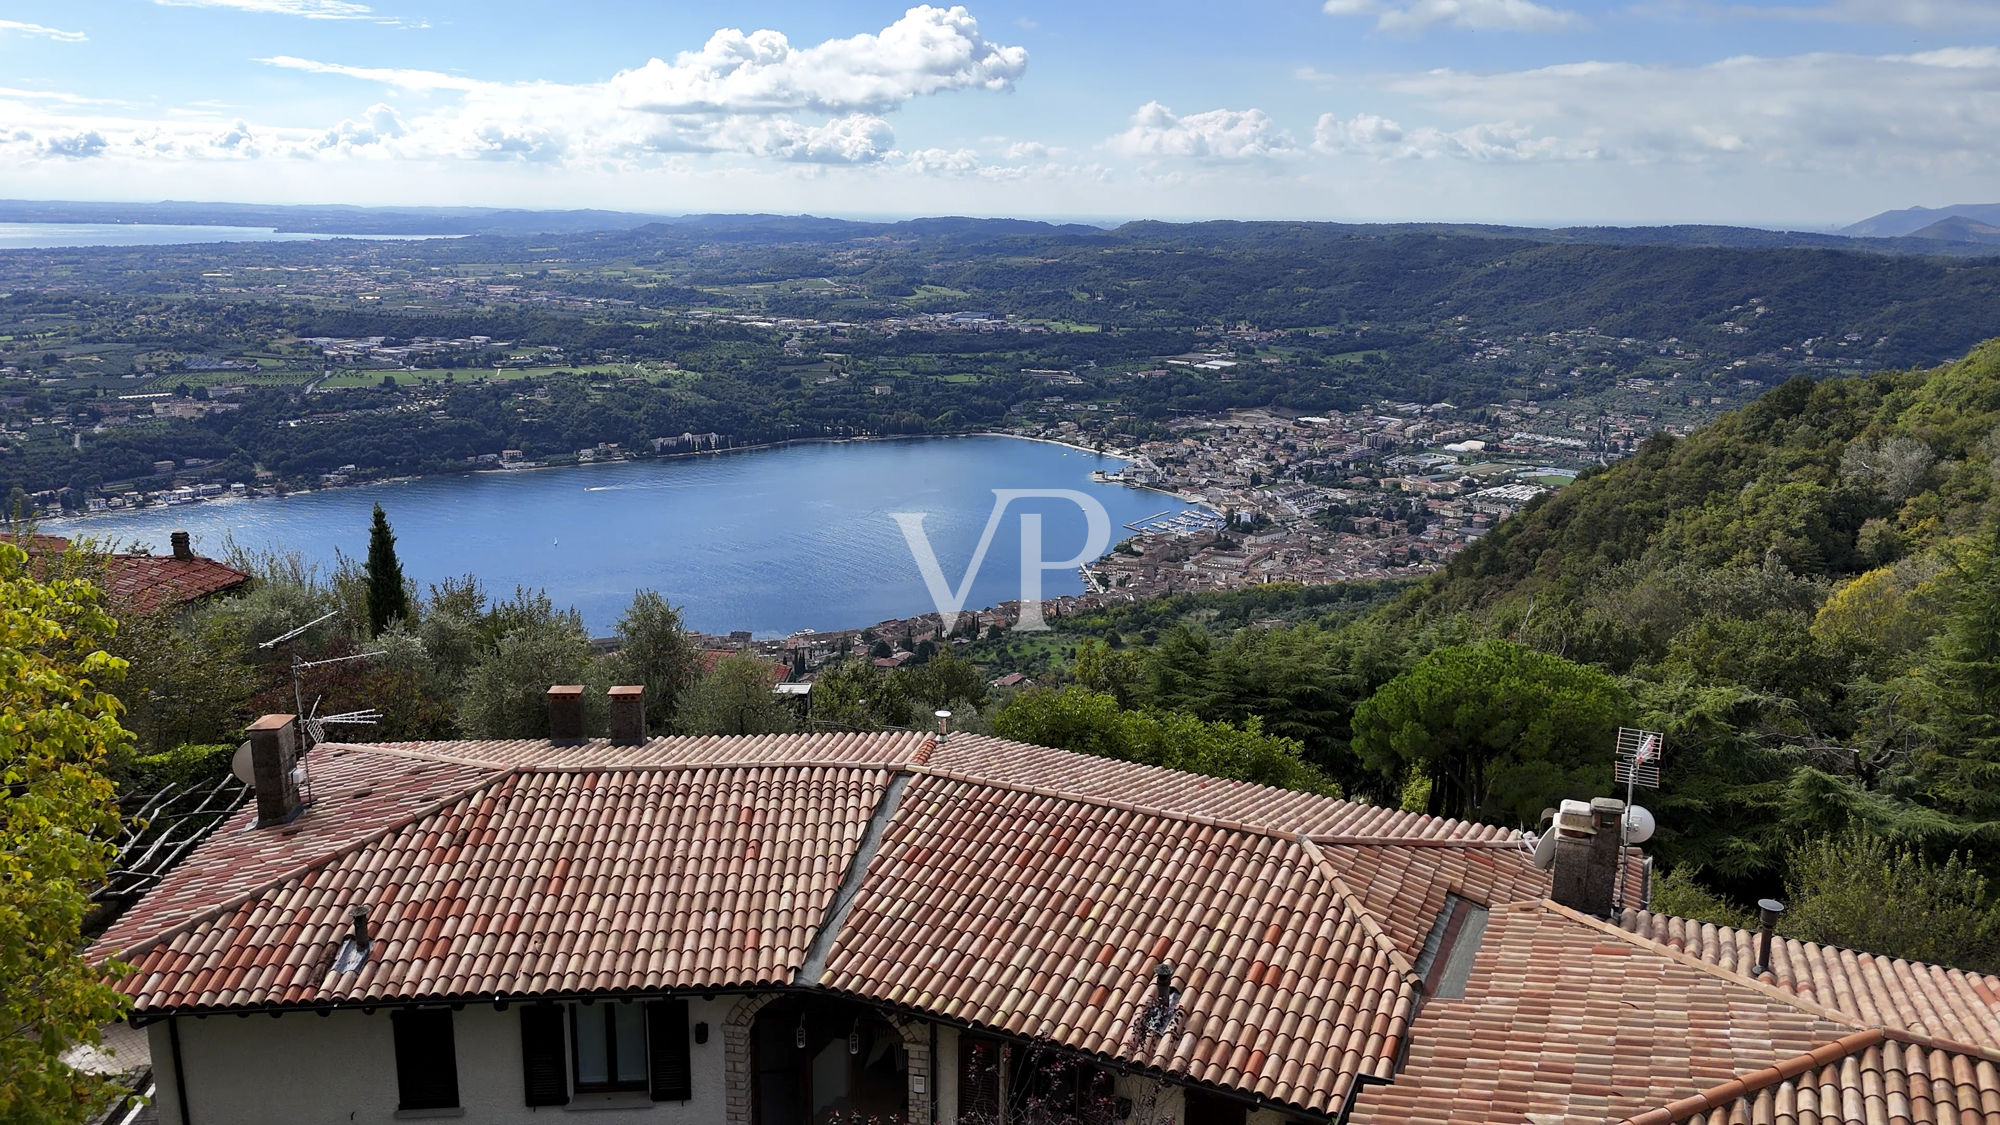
(1806, 596)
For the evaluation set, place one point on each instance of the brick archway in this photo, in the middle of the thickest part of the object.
(738, 1067)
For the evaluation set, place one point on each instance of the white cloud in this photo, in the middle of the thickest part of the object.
(307, 9)
(38, 31)
(1217, 134)
(72, 146)
(928, 51)
(1819, 111)
(1408, 17)
(388, 76)
(1916, 13)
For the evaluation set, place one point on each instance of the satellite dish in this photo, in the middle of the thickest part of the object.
(1545, 850)
(1639, 824)
(239, 764)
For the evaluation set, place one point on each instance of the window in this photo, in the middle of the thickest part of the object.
(426, 1059)
(609, 1042)
(544, 1056)
(979, 1079)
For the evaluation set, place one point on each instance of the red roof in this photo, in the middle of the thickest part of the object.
(143, 583)
(1032, 892)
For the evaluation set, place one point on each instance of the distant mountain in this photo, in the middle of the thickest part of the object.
(1914, 221)
(1962, 228)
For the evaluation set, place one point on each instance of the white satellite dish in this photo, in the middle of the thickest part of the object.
(1639, 824)
(239, 764)
(1545, 850)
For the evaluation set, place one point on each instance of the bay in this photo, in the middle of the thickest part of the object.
(772, 541)
(50, 236)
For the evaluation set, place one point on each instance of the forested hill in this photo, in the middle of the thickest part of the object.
(1804, 594)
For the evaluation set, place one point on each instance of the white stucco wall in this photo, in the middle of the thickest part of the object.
(341, 1069)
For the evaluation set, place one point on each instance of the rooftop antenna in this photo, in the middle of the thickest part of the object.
(314, 723)
(1638, 763)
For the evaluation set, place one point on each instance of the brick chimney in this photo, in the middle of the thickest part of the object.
(628, 714)
(566, 713)
(274, 752)
(182, 549)
(1589, 843)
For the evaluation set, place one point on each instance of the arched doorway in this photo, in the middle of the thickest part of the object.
(819, 1060)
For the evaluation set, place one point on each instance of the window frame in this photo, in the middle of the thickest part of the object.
(618, 1084)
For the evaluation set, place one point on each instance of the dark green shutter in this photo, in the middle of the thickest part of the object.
(667, 1049)
(426, 1059)
(544, 1055)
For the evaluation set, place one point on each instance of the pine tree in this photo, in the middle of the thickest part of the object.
(1965, 776)
(387, 600)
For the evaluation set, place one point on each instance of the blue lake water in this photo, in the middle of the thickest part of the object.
(771, 540)
(45, 236)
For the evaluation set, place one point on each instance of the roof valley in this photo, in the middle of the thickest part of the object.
(850, 884)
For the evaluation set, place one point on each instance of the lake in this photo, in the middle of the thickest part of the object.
(772, 541)
(48, 236)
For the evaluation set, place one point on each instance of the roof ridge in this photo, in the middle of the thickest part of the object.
(1366, 916)
(1994, 977)
(1709, 967)
(367, 839)
(927, 770)
(1743, 1085)
(418, 750)
(1354, 841)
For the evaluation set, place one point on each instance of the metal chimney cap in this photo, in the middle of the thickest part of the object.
(1770, 906)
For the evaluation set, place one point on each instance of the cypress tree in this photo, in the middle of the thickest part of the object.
(386, 598)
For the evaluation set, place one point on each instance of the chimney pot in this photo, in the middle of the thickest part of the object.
(357, 916)
(1768, 912)
(274, 751)
(566, 713)
(944, 723)
(182, 547)
(628, 714)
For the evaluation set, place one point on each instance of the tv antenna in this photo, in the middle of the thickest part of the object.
(1637, 764)
(314, 723)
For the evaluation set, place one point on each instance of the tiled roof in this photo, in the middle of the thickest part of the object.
(1866, 1077)
(144, 583)
(1568, 1020)
(1032, 891)
(1044, 917)
(1272, 810)
(1948, 1004)
(357, 796)
(559, 881)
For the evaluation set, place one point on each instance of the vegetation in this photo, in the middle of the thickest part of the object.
(387, 600)
(58, 727)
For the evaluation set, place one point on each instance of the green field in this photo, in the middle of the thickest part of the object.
(347, 380)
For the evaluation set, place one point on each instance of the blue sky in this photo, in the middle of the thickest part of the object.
(1802, 113)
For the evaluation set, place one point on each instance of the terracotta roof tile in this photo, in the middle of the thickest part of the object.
(144, 583)
(559, 881)
(1044, 917)
(1949, 1004)
(1273, 810)
(1563, 1020)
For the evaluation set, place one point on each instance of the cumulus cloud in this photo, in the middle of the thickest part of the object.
(72, 146)
(753, 94)
(38, 31)
(1217, 134)
(1408, 17)
(306, 9)
(928, 51)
